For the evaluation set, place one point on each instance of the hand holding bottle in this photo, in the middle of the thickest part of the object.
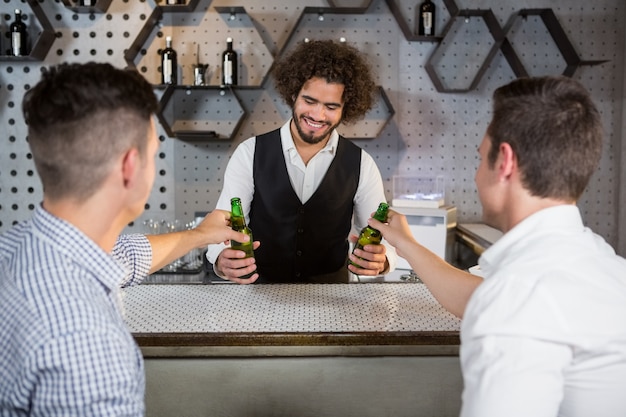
(369, 256)
(237, 263)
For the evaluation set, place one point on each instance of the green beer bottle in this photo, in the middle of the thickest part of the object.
(238, 223)
(369, 235)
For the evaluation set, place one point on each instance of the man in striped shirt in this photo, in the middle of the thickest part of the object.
(64, 346)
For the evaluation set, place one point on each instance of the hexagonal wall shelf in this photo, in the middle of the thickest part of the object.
(552, 26)
(374, 121)
(200, 113)
(100, 6)
(186, 6)
(399, 9)
(461, 69)
(42, 42)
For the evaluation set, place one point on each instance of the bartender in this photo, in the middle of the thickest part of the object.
(303, 186)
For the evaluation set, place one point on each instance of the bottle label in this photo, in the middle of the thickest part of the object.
(167, 71)
(427, 18)
(16, 43)
(228, 72)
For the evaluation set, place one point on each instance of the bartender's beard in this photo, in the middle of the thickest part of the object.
(310, 138)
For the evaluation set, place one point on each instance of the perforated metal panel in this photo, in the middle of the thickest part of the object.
(284, 308)
(431, 133)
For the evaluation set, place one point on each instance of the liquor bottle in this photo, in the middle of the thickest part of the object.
(18, 35)
(229, 64)
(238, 223)
(426, 19)
(88, 3)
(169, 63)
(369, 235)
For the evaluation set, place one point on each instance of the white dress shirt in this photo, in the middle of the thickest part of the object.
(545, 333)
(239, 182)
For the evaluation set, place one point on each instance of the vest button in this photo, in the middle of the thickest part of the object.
(298, 274)
(300, 230)
(299, 252)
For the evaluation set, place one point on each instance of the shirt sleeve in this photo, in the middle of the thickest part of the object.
(369, 194)
(238, 182)
(134, 253)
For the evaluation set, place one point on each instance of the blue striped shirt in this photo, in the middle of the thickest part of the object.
(64, 346)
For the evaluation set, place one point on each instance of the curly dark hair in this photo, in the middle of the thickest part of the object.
(335, 62)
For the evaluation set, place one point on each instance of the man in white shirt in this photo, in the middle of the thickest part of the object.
(303, 185)
(544, 334)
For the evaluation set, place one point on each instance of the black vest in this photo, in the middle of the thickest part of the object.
(301, 242)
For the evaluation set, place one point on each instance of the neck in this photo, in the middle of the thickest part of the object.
(90, 217)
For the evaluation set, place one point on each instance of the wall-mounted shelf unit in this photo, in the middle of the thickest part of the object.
(399, 10)
(40, 32)
(100, 6)
(200, 113)
(183, 7)
(554, 28)
(471, 61)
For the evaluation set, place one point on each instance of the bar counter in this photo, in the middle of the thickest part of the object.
(368, 349)
(289, 319)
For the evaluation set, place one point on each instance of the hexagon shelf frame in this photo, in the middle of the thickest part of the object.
(101, 6)
(496, 33)
(44, 39)
(382, 112)
(188, 6)
(181, 107)
(198, 125)
(409, 34)
(554, 28)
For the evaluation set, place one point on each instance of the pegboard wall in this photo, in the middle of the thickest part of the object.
(415, 129)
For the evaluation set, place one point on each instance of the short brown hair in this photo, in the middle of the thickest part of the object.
(555, 130)
(80, 117)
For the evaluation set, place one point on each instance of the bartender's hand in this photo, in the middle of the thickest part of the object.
(232, 264)
(372, 259)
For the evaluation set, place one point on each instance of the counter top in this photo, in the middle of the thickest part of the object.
(289, 319)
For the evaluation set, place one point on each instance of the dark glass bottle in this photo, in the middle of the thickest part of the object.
(169, 63)
(238, 223)
(426, 19)
(88, 3)
(229, 64)
(369, 235)
(18, 35)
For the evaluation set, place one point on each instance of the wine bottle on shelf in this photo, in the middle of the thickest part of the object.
(369, 235)
(169, 63)
(426, 19)
(229, 64)
(238, 223)
(18, 35)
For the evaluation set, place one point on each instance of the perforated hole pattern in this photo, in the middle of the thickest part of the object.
(284, 308)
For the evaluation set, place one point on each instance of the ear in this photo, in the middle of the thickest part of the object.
(130, 165)
(507, 161)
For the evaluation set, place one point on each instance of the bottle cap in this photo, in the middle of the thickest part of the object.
(229, 39)
(168, 38)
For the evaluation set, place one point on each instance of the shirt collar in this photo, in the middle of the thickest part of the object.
(289, 146)
(546, 221)
(68, 239)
